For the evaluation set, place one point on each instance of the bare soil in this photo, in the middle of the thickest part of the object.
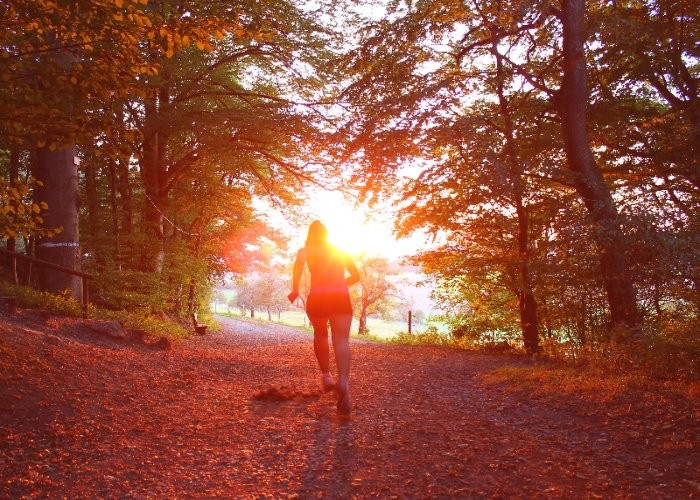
(240, 413)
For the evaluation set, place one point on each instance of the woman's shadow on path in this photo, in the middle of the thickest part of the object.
(331, 461)
(331, 458)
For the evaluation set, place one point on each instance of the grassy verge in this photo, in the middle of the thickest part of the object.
(63, 305)
(603, 372)
(297, 320)
(285, 320)
(610, 371)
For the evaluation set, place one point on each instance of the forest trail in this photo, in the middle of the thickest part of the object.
(239, 413)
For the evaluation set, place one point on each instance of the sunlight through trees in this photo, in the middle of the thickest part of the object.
(549, 149)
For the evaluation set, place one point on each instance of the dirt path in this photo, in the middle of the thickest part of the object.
(82, 416)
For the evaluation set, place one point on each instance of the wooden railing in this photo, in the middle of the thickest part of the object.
(83, 276)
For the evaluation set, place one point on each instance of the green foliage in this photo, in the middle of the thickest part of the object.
(19, 215)
(62, 305)
(129, 290)
(661, 353)
(221, 87)
(481, 119)
(144, 319)
(432, 337)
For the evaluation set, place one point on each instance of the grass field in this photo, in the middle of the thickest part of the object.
(378, 328)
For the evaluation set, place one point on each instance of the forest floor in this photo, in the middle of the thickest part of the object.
(239, 413)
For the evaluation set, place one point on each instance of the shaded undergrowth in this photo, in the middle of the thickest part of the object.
(63, 305)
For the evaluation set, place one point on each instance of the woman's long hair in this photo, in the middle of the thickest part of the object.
(317, 236)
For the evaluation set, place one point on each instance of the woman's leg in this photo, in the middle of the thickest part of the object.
(340, 330)
(320, 326)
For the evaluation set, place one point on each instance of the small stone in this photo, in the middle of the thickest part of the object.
(163, 343)
(138, 334)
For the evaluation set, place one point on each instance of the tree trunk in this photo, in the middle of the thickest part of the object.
(589, 181)
(362, 329)
(30, 249)
(191, 295)
(116, 230)
(125, 195)
(12, 242)
(59, 174)
(177, 303)
(91, 198)
(527, 304)
(153, 253)
(526, 298)
(694, 163)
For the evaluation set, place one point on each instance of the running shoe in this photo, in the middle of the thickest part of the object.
(344, 405)
(328, 383)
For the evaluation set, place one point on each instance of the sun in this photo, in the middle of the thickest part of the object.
(352, 228)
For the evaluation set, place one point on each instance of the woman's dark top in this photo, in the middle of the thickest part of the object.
(329, 293)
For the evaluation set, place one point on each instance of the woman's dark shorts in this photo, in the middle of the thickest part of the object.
(324, 304)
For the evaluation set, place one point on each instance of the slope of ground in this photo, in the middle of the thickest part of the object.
(239, 413)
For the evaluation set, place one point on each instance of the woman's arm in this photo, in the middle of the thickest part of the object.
(352, 269)
(297, 270)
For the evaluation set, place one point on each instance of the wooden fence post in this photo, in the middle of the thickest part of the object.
(42, 263)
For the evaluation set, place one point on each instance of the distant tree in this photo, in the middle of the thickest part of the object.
(245, 297)
(376, 292)
(218, 297)
(273, 290)
(263, 292)
(230, 304)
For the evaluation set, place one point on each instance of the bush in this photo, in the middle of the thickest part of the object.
(63, 305)
(433, 337)
(60, 305)
(654, 355)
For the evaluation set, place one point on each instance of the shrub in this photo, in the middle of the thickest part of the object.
(63, 305)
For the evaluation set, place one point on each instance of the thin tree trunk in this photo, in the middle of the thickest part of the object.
(91, 198)
(191, 298)
(589, 181)
(362, 328)
(115, 215)
(527, 304)
(14, 178)
(694, 163)
(126, 196)
(177, 305)
(30, 244)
